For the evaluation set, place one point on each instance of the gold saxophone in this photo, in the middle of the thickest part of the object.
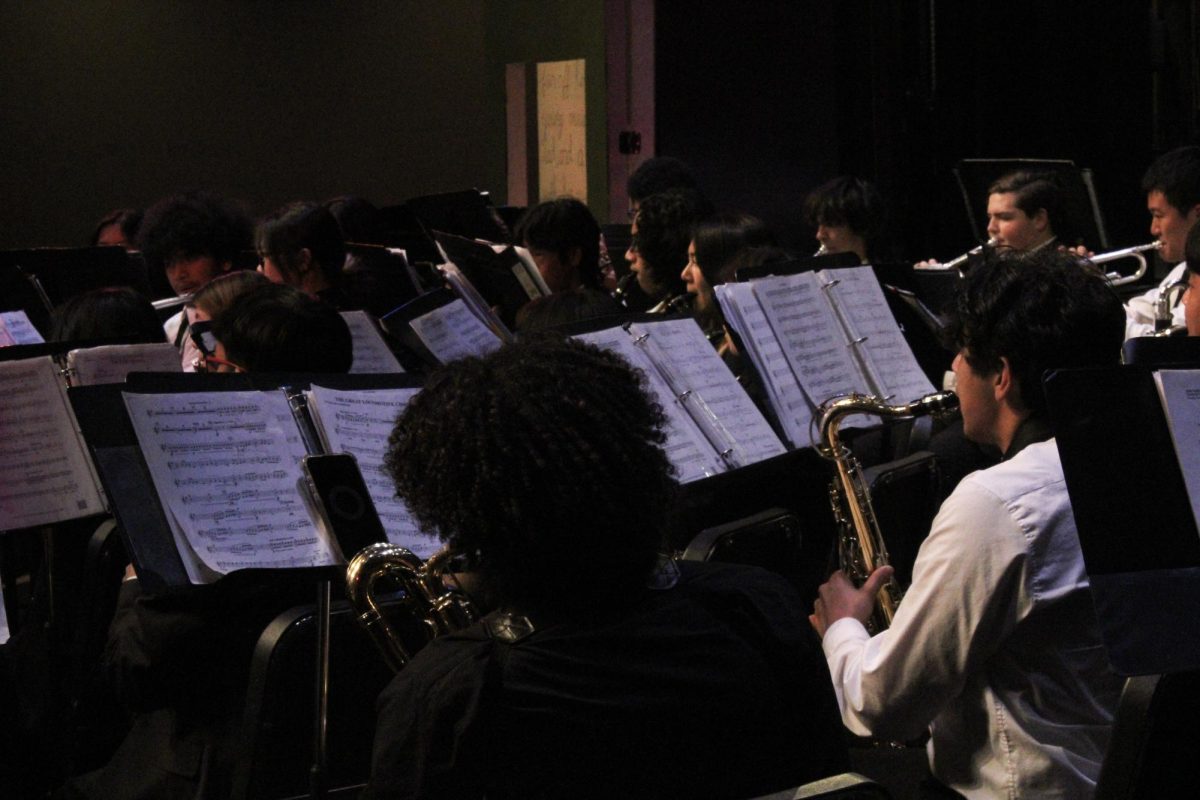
(861, 549)
(429, 607)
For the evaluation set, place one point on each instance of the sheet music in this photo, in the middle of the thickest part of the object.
(112, 363)
(811, 336)
(45, 473)
(718, 403)
(535, 274)
(473, 299)
(359, 422)
(15, 328)
(888, 360)
(226, 466)
(1179, 390)
(453, 332)
(791, 406)
(686, 447)
(371, 353)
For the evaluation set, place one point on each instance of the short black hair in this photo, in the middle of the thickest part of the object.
(664, 224)
(116, 312)
(850, 201)
(1191, 251)
(357, 217)
(127, 219)
(1036, 190)
(656, 175)
(1177, 175)
(1041, 309)
(193, 224)
(543, 461)
(288, 230)
(278, 328)
(561, 225)
(721, 237)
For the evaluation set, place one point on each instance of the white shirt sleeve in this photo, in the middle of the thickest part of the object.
(1140, 310)
(966, 594)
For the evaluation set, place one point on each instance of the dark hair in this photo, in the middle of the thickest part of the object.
(127, 219)
(563, 308)
(278, 328)
(664, 230)
(110, 313)
(543, 460)
(1177, 175)
(756, 257)
(193, 224)
(357, 218)
(721, 237)
(562, 225)
(656, 175)
(849, 201)
(1035, 190)
(1191, 252)
(282, 234)
(219, 293)
(1040, 310)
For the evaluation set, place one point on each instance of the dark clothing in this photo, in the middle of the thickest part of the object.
(714, 688)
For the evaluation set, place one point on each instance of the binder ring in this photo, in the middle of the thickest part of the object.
(831, 284)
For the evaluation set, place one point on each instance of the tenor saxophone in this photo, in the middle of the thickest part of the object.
(861, 549)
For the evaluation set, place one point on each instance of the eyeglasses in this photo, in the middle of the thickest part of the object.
(214, 364)
(203, 337)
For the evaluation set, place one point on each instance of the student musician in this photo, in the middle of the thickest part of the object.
(995, 646)
(716, 243)
(1191, 294)
(301, 245)
(658, 250)
(564, 240)
(848, 214)
(605, 670)
(1172, 187)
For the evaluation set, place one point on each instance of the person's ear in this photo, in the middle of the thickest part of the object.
(1193, 213)
(304, 261)
(1041, 220)
(1004, 383)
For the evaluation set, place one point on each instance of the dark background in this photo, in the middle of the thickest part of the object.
(117, 104)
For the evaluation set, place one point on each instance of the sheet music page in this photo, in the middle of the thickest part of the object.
(863, 310)
(686, 447)
(452, 331)
(46, 475)
(526, 257)
(718, 403)
(226, 466)
(473, 299)
(112, 363)
(359, 422)
(371, 353)
(15, 328)
(1179, 390)
(811, 336)
(792, 407)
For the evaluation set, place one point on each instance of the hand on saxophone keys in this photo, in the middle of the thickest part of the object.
(839, 598)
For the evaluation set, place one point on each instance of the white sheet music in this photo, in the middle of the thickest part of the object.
(453, 332)
(811, 336)
(1179, 390)
(111, 363)
(792, 407)
(15, 328)
(863, 310)
(686, 447)
(45, 474)
(371, 353)
(467, 292)
(717, 402)
(359, 422)
(226, 466)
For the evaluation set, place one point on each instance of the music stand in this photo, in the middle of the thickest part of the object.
(1081, 208)
(1136, 529)
(467, 213)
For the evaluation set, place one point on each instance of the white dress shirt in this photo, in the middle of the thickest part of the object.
(1140, 310)
(995, 646)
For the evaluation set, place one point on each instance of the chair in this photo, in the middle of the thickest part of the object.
(1154, 750)
(770, 539)
(904, 494)
(277, 736)
(846, 786)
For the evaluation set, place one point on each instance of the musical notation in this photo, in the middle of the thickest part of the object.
(452, 332)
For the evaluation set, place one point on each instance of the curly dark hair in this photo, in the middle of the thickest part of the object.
(542, 462)
(1041, 310)
(193, 224)
(664, 225)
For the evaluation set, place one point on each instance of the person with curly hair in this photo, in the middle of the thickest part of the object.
(658, 250)
(602, 669)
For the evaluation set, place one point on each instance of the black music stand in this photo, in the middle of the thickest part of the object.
(1136, 529)
(467, 213)
(1162, 351)
(1083, 217)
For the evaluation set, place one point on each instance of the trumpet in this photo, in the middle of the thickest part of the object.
(1137, 252)
(861, 549)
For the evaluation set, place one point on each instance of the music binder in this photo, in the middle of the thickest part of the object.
(443, 326)
(15, 328)
(501, 276)
(712, 424)
(203, 471)
(816, 335)
(371, 352)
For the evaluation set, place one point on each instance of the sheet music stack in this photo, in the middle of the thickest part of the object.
(816, 335)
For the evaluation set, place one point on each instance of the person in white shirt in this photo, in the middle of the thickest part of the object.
(995, 647)
(1172, 187)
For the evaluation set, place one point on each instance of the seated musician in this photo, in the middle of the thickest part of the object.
(848, 214)
(301, 245)
(716, 243)
(995, 647)
(564, 240)
(1172, 187)
(1191, 295)
(658, 250)
(604, 671)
